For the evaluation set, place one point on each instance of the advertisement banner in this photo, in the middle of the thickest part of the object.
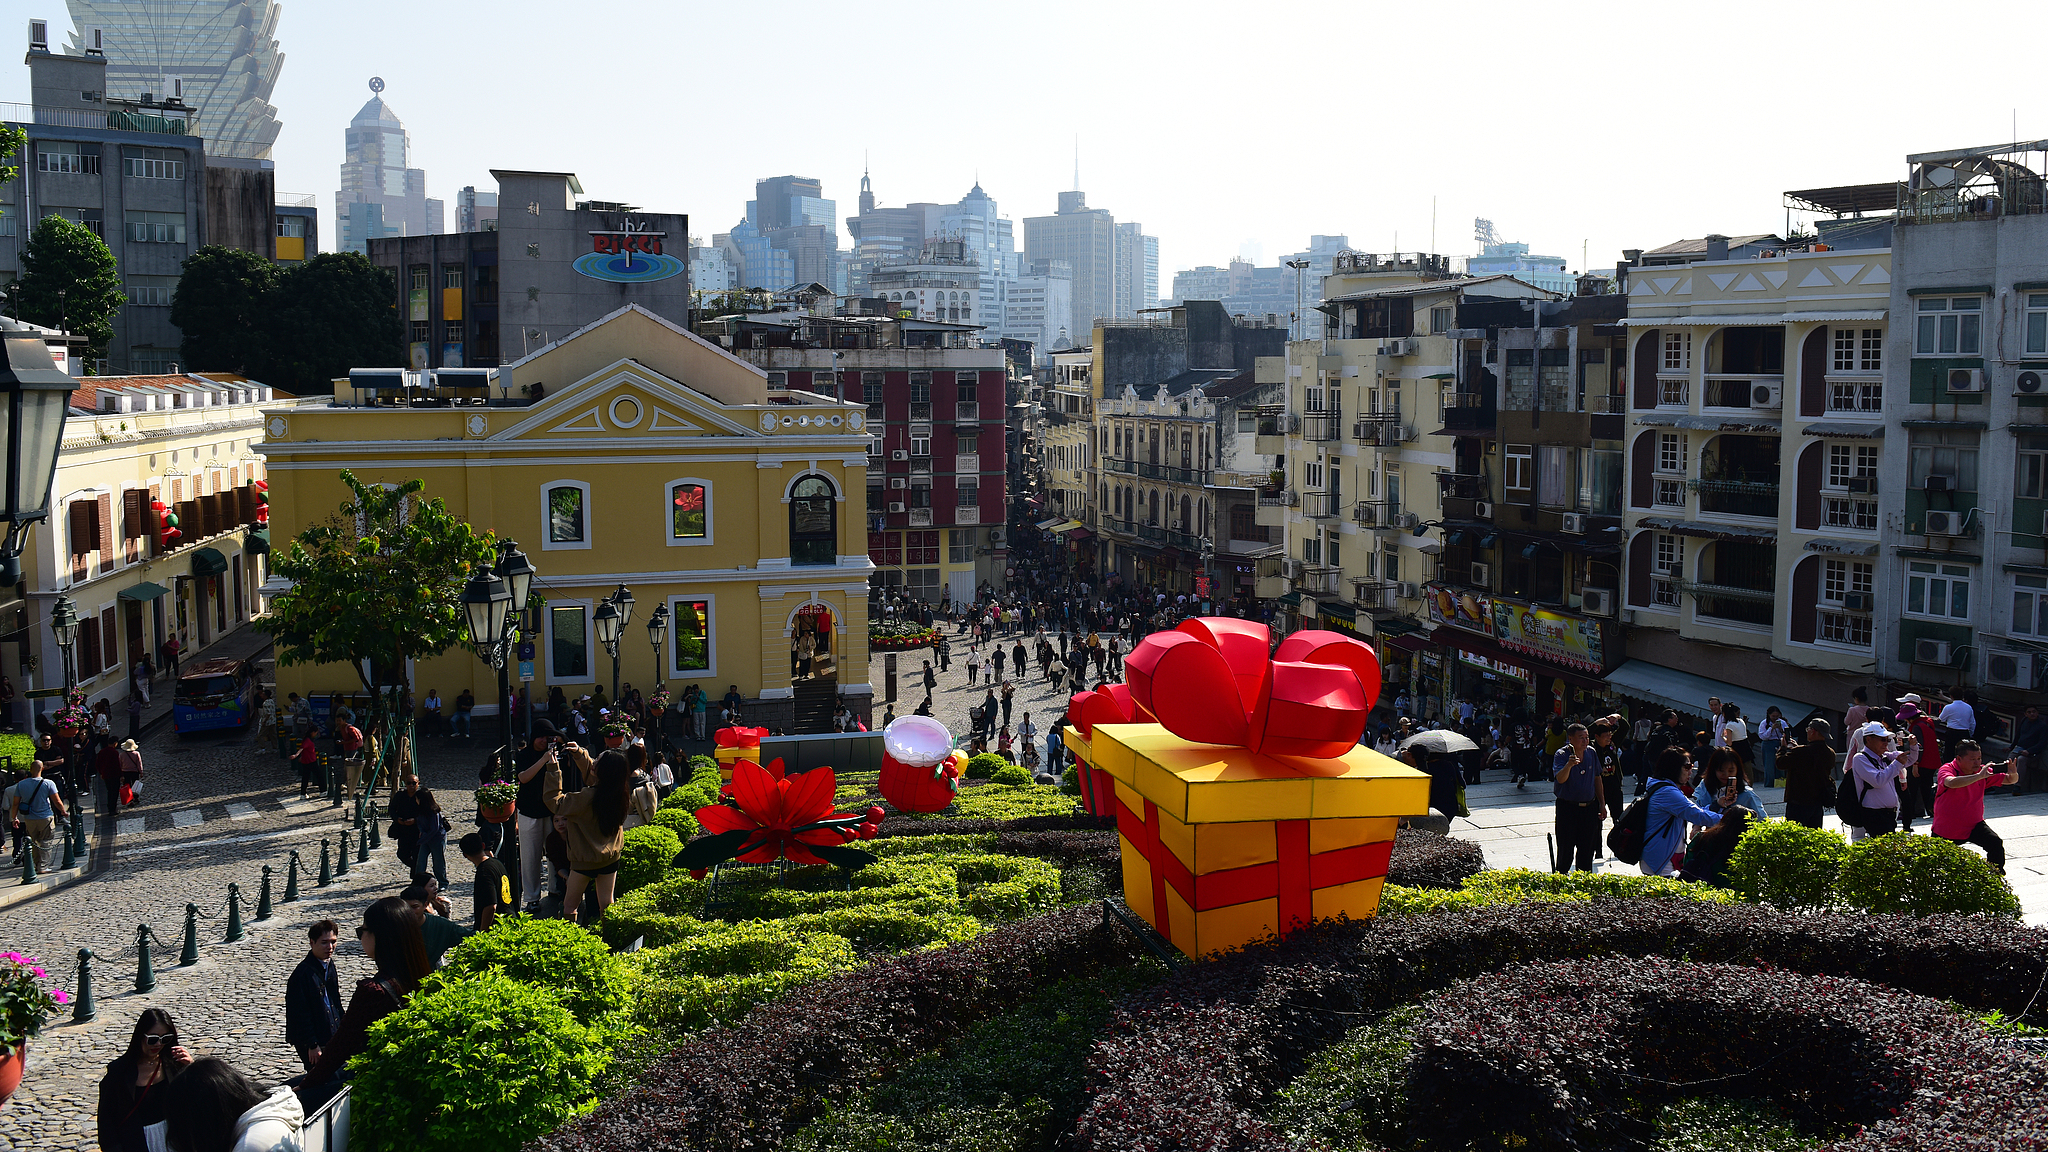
(416, 304)
(1565, 640)
(1459, 608)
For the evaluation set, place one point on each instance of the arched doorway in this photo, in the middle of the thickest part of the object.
(810, 642)
(813, 522)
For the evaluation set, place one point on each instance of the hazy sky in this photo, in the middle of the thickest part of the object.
(1221, 127)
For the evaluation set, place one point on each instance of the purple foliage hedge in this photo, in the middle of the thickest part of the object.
(1430, 860)
(1190, 1064)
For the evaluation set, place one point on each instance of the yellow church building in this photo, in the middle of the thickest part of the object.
(628, 452)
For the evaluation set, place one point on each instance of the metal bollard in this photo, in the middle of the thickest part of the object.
(145, 976)
(78, 835)
(82, 1007)
(263, 897)
(341, 864)
(70, 860)
(291, 878)
(362, 847)
(376, 837)
(234, 932)
(326, 864)
(333, 779)
(190, 954)
(28, 862)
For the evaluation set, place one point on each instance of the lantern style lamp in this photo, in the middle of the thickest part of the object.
(606, 621)
(624, 599)
(517, 571)
(657, 633)
(64, 622)
(35, 397)
(484, 601)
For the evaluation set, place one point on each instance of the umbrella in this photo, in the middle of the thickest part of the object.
(1440, 741)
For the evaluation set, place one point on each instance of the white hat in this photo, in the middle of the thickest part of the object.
(1875, 730)
(1910, 698)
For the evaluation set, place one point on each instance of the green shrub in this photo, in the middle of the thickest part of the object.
(1004, 803)
(985, 765)
(477, 1064)
(889, 846)
(1787, 865)
(554, 955)
(679, 821)
(662, 913)
(1921, 875)
(645, 858)
(719, 975)
(1354, 1094)
(1524, 885)
(879, 930)
(1070, 781)
(912, 883)
(1006, 887)
(1720, 1124)
(17, 748)
(699, 787)
(1011, 775)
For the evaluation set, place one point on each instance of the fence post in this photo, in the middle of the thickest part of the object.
(145, 976)
(28, 862)
(326, 864)
(376, 836)
(234, 914)
(82, 1008)
(291, 878)
(78, 830)
(70, 860)
(263, 897)
(362, 847)
(341, 864)
(190, 954)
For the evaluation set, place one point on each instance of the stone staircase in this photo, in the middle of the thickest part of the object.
(816, 700)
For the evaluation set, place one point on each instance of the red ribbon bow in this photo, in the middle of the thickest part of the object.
(1210, 681)
(1112, 704)
(740, 737)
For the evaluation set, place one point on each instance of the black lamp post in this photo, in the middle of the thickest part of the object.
(517, 572)
(34, 399)
(657, 633)
(607, 621)
(64, 622)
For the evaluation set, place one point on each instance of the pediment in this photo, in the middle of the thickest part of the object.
(622, 403)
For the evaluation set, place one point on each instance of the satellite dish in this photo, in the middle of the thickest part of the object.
(376, 84)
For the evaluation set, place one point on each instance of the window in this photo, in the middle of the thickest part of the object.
(451, 332)
(565, 508)
(153, 163)
(813, 522)
(55, 156)
(689, 512)
(1553, 475)
(1946, 453)
(2030, 606)
(1839, 578)
(151, 290)
(969, 495)
(1521, 470)
(1669, 493)
(1440, 319)
(920, 445)
(1664, 566)
(2031, 474)
(871, 392)
(689, 632)
(1850, 461)
(1312, 472)
(967, 391)
(920, 387)
(1940, 591)
(1949, 326)
(451, 275)
(921, 547)
(1859, 350)
(960, 546)
(155, 227)
(568, 643)
(1855, 396)
(417, 276)
(1599, 482)
(291, 226)
(422, 331)
(966, 442)
(1677, 350)
(2036, 323)
(1671, 453)
(1852, 628)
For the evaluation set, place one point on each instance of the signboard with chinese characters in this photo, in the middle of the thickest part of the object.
(628, 255)
(1497, 667)
(1459, 608)
(1564, 640)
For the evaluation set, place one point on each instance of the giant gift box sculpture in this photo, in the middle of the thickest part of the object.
(1244, 806)
(734, 745)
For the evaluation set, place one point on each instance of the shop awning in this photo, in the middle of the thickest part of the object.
(143, 592)
(1688, 693)
(1078, 534)
(257, 542)
(1448, 637)
(1290, 599)
(208, 562)
(1047, 525)
(1407, 642)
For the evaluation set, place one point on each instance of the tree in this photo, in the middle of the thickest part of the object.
(376, 585)
(222, 305)
(68, 280)
(11, 142)
(335, 312)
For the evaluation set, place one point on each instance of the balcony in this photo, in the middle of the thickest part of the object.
(1152, 532)
(1174, 473)
(1273, 506)
(1270, 438)
(920, 517)
(1461, 485)
(1114, 524)
(114, 119)
(1185, 541)
(1381, 429)
(921, 410)
(1740, 605)
(1756, 498)
(1116, 464)
(1321, 581)
(921, 466)
(1319, 505)
(1744, 392)
(967, 463)
(967, 412)
(967, 514)
(1322, 427)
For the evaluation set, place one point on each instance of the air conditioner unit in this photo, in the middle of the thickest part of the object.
(995, 535)
(899, 454)
(898, 482)
(2032, 382)
(1944, 523)
(38, 36)
(1291, 568)
(1575, 522)
(1858, 602)
(1365, 513)
(895, 505)
(1407, 591)
(1408, 520)
(1931, 652)
(1597, 601)
(1862, 485)
(1763, 395)
(1482, 509)
(1481, 575)
(2009, 669)
(1966, 379)
(1402, 347)
(1939, 482)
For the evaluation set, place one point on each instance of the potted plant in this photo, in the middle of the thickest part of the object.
(614, 728)
(26, 1000)
(74, 719)
(495, 801)
(658, 701)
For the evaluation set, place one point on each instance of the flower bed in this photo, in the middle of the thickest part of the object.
(897, 636)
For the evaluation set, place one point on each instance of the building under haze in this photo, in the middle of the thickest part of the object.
(1137, 269)
(475, 211)
(793, 216)
(381, 194)
(216, 55)
(1039, 308)
(1085, 238)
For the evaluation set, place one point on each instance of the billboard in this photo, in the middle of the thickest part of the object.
(1459, 608)
(1565, 640)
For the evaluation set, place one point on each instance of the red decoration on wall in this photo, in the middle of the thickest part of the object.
(1210, 681)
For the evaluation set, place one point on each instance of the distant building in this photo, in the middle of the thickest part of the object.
(886, 236)
(475, 211)
(1248, 290)
(943, 282)
(1040, 304)
(756, 262)
(474, 299)
(710, 271)
(792, 214)
(1137, 270)
(381, 194)
(298, 228)
(1513, 259)
(1085, 238)
(217, 57)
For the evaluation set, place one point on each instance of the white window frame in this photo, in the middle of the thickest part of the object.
(2032, 591)
(1944, 574)
(2034, 323)
(1667, 493)
(591, 647)
(1928, 329)
(1670, 454)
(710, 634)
(1677, 350)
(547, 533)
(668, 518)
(2024, 454)
(1842, 577)
(1520, 464)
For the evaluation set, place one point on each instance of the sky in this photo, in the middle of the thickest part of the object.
(1222, 128)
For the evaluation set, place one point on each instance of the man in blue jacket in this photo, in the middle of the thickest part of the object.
(1671, 809)
(1576, 773)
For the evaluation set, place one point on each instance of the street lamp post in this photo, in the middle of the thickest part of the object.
(64, 622)
(657, 634)
(492, 602)
(34, 398)
(607, 621)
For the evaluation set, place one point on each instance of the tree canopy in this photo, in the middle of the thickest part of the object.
(11, 141)
(222, 305)
(68, 280)
(335, 312)
(377, 584)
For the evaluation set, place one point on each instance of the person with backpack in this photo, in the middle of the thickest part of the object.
(1809, 770)
(34, 807)
(1653, 829)
(1916, 797)
(1868, 802)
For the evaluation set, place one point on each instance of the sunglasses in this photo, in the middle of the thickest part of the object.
(153, 1040)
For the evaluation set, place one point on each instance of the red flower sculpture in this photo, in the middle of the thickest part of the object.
(767, 816)
(1210, 681)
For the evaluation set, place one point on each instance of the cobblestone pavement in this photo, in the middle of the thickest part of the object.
(953, 695)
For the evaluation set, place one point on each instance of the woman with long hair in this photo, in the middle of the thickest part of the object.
(593, 821)
(215, 1108)
(1725, 784)
(133, 1091)
(390, 936)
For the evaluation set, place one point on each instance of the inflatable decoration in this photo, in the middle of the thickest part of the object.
(767, 816)
(734, 745)
(920, 769)
(1244, 805)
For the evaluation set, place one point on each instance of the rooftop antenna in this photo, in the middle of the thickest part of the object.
(1077, 161)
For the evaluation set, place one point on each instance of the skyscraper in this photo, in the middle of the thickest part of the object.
(1137, 269)
(381, 195)
(792, 214)
(216, 55)
(1085, 238)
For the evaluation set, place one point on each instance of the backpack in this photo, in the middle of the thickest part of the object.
(1849, 797)
(1626, 841)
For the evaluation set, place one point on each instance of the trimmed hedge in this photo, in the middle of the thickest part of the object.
(984, 766)
(1202, 1053)
(646, 856)
(1012, 776)
(1428, 860)
(1786, 865)
(722, 972)
(699, 789)
(753, 1084)
(1526, 885)
(898, 824)
(680, 821)
(662, 913)
(1920, 875)
(554, 955)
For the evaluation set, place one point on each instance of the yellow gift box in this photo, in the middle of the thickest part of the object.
(1223, 846)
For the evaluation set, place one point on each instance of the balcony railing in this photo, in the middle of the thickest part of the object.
(1117, 525)
(921, 410)
(1838, 627)
(1607, 405)
(1280, 499)
(1322, 426)
(1322, 581)
(1855, 396)
(1318, 506)
(1739, 391)
(1741, 605)
(1186, 541)
(1379, 428)
(1738, 497)
(1152, 532)
(119, 120)
(966, 411)
(1173, 472)
(920, 517)
(1118, 464)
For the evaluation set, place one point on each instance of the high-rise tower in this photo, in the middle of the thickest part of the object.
(380, 194)
(219, 56)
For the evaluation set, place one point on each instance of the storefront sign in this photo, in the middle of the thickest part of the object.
(1429, 659)
(1498, 667)
(1460, 609)
(1568, 641)
(1202, 587)
(628, 255)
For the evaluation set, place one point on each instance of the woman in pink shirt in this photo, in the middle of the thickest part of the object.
(1959, 800)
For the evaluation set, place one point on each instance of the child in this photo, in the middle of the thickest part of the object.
(308, 760)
